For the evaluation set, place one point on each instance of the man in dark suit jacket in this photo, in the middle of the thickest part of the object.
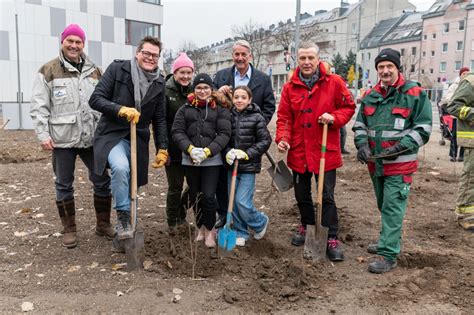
(130, 90)
(242, 73)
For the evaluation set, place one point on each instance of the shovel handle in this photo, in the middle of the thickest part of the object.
(232, 191)
(133, 167)
(322, 164)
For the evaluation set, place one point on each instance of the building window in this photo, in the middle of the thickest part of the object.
(422, 71)
(431, 71)
(425, 37)
(472, 64)
(459, 45)
(354, 28)
(413, 51)
(368, 56)
(461, 25)
(444, 48)
(135, 31)
(402, 52)
(432, 53)
(423, 54)
(446, 28)
(362, 57)
(157, 2)
(457, 65)
(433, 36)
(335, 29)
(472, 44)
(442, 67)
(412, 68)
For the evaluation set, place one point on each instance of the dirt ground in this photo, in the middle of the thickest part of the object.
(435, 273)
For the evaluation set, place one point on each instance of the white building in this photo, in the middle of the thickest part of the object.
(112, 29)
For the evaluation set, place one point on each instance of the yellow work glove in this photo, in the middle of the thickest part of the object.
(190, 148)
(208, 152)
(240, 155)
(129, 113)
(160, 158)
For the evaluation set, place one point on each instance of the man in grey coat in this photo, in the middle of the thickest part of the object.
(65, 125)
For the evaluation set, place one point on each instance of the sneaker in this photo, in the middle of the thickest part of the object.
(201, 234)
(261, 234)
(299, 236)
(452, 159)
(467, 225)
(381, 265)
(124, 229)
(118, 246)
(240, 241)
(221, 220)
(372, 248)
(334, 250)
(460, 159)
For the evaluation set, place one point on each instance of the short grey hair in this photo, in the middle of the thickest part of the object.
(243, 43)
(308, 45)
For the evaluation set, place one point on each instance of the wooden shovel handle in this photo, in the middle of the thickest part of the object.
(133, 168)
(232, 186)
(322, 164)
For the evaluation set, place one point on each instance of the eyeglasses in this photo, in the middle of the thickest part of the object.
(203, 89)
(148, 54)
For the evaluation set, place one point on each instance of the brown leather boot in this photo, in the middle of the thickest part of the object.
(67, 213)
(102, 211)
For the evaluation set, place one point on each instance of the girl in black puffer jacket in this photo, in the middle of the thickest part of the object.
(250, 139)
(201, 130)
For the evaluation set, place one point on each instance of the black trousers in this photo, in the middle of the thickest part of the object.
(222, 192)
(175, 209)
(202, 181)
(306, 201)
(453, 148)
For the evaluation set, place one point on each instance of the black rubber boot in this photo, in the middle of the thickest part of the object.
(102, 207)
(67, 213)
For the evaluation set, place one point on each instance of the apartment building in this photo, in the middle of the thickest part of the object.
(113, 28)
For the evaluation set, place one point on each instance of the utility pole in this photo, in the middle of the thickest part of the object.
(357, 54)
(297, 29)
(19, 96)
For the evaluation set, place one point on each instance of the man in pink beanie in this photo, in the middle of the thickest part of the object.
(65, 124)
(178, 86)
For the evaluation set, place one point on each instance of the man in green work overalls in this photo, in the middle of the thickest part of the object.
(393, 122)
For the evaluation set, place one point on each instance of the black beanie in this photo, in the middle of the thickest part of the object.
(202, 78)
(388, 54)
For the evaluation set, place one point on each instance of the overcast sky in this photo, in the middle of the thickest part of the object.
(205, 22)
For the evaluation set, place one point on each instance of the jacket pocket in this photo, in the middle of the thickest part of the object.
(62, 93)
(64, 129)
(369, 110)
(404, 112)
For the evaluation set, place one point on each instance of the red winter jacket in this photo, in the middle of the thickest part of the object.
(298, 115)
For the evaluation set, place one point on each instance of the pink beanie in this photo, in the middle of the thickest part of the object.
(182, 61)
(73, 29)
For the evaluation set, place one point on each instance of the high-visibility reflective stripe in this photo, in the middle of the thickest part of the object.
(465, 209)
(427, 128)
(390, 134)
(360, 133)
(416, 136)
(465, 134)
(464, 112)
(402, 159)
(359, 124)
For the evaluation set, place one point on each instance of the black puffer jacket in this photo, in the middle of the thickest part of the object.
(202, 127)
(250, 134)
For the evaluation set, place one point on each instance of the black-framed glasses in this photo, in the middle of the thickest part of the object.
(148, 54)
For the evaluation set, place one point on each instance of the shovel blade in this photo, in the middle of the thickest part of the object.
(134, 250)
(315, 243)
(281, 176)
(226, 238)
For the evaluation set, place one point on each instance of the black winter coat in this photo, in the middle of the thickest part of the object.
(176, 96)
(115, 89)
(202, 127)
(260, 84)
(250, 134)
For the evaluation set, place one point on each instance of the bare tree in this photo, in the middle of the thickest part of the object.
(168, 59)
(197, 55)
(285, 33)
(409, 65)
(256, 35)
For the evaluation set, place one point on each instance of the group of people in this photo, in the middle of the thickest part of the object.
(202, 126)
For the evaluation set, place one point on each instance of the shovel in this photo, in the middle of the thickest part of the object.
(134, 245)
(226, 237)
(281, 176)
(317, 236)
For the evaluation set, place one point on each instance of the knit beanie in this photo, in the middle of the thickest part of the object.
(182, 61)
(73, 29)
(462, 70)
(202, 78)
(388, 54)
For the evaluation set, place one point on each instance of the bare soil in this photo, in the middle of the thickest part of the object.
(435, 273)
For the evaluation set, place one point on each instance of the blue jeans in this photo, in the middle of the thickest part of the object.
(64, 165)
(244, 214)
(119, 162)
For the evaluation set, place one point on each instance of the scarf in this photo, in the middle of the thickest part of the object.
(311, 81)
(141, 81)
(194, 101)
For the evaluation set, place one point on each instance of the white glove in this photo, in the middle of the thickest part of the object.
(240, 154)
(198, 155)
(230, 157)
